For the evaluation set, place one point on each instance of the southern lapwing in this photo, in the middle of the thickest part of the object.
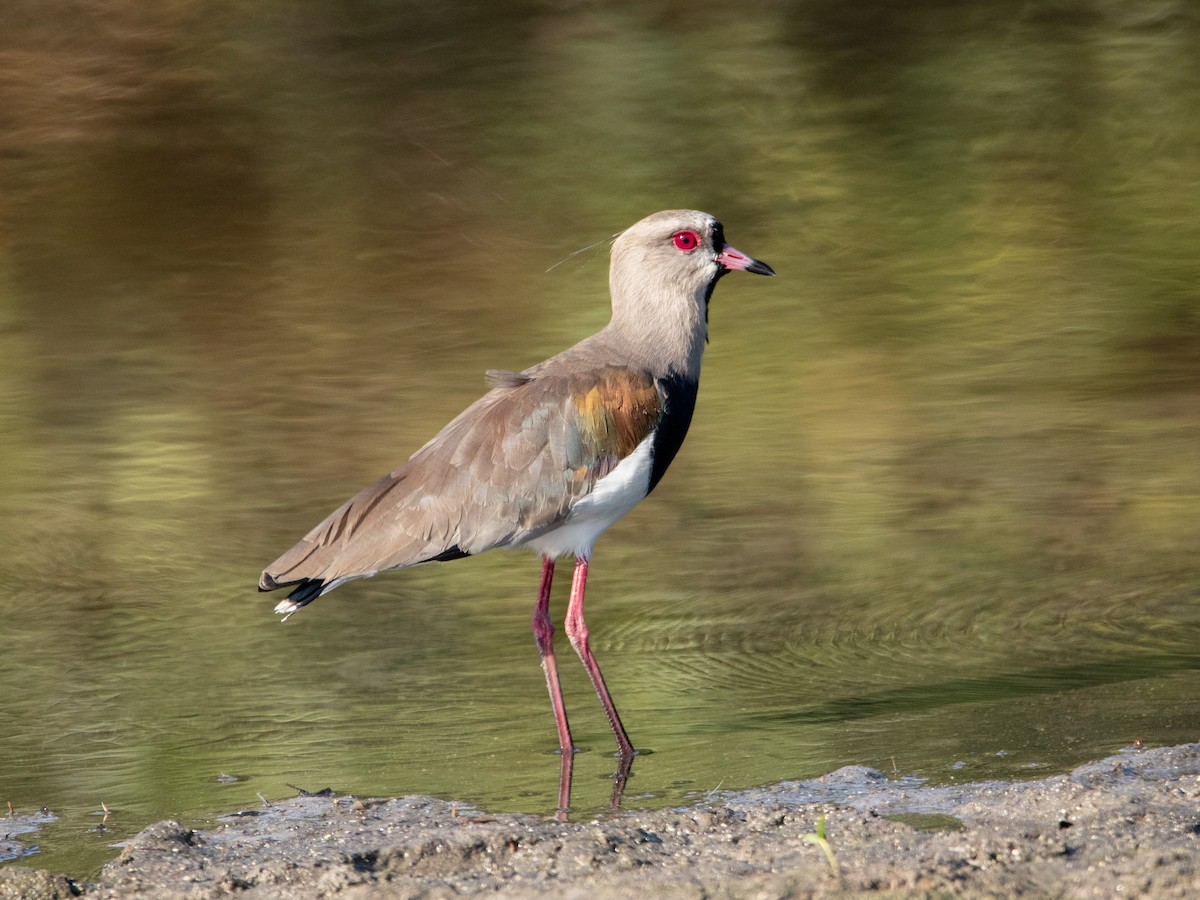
(550, 457)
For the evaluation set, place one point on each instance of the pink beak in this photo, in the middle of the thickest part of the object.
(731, 259)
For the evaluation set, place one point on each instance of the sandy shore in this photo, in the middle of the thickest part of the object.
(1128, 825)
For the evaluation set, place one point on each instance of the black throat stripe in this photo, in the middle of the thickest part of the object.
(679, 402)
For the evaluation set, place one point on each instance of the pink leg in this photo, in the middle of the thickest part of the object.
(543, 634)
(564, 787)
(620, 779)
(577, 631)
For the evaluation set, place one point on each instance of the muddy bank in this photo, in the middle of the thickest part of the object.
(1129, 824)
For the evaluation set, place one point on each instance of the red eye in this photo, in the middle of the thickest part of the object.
(687, 241)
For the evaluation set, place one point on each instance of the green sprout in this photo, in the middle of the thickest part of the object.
(819, 839)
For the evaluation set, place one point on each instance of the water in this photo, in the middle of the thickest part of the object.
(939, 510)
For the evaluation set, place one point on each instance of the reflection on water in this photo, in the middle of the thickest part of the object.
(939, 507)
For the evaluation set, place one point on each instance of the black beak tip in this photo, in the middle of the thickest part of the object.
(758, 267)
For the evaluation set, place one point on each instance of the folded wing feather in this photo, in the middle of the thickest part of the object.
(504, 471)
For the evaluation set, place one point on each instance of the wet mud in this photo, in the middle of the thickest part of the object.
(1126, 825)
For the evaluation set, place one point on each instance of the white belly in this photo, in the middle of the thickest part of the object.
(614, 495)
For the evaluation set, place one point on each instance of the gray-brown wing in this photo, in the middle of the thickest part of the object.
(507, 469)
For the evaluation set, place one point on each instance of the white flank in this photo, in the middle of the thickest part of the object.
(614, 495)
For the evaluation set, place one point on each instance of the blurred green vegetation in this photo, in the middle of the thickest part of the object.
(941, 499)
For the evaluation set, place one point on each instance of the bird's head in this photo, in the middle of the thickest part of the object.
(664, 269)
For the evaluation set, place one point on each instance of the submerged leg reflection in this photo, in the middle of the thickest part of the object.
(566, 768)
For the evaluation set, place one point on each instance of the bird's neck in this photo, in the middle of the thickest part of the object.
(662, 333)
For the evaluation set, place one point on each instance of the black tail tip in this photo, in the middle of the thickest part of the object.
(305, 592)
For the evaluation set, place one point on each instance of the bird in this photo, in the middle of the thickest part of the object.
(551, 456)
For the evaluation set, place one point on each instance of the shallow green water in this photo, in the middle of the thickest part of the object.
(939, 511)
